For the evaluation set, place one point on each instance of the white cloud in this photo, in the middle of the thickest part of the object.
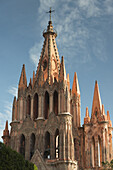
(3, 117)
(35, 53)
(13, 91)
(73, 21)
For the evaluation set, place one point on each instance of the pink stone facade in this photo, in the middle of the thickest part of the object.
(46, 118)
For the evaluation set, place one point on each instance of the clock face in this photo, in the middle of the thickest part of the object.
(44, 65)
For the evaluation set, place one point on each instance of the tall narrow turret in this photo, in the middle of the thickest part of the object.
(6, 136)
(76, 101)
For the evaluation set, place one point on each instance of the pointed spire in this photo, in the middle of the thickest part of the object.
(103, 110)
(33, 78)
(6, 136)
(87, 118)
(108, 118)
(6, 131)
(87, 112)
(30, 83)
(75, 88)
(68, 81)
(23, 80)
(62, 75)
(96, 100)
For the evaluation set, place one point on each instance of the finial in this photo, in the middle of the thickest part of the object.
(50, 11)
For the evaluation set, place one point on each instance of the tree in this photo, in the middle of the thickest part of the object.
(106, 165)
(11, 160)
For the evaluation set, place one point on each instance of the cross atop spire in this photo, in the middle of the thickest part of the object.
(50, 11)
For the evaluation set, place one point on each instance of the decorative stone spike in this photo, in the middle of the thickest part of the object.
(97, 105)
(87, 118)
(23, 80)
(75, 87)
(68, 81)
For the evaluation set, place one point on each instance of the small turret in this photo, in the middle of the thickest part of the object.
(33, 78)
(87, 118)
(22, 82)
(68, 81)
(6, 136)
(75, 87)
(97, 105)
(108, 118)
(62, 75)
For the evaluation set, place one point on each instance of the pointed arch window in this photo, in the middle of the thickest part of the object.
(55, 102)
(35, 107)
(57, 144)
(99, 152)
(46, 105)
(32, 145)
(93, 152)
(29, 105)
(22, 145)
(47, 146)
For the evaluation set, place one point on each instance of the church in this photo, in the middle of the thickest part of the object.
(46, 117)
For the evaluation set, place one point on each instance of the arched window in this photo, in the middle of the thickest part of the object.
(93, 152)
(47, 146)
(22, 145)
(57, 144)
(71, 107)
(55, 102)
(32, 145)
(35, 107)
(106, 144)
(46, 105)
(99, 152)
(29, 105)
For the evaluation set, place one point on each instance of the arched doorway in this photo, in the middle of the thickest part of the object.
(32, 145)
(22, 145)
(35, 107)
(47, 146)
(46, 105)
(57, 144)
(29, 105)
(55, 102)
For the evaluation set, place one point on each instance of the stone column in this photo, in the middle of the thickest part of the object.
(32, 107)
(74, 115)
(103, 146)
(59, 102)
(42, 105)
(96, 152)
(76, 105)
(24, 108)
(21, 108)
(27, 148)
(39, 106)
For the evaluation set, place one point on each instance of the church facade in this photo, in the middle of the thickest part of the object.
(46, 118)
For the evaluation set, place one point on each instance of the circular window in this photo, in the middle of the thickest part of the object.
(44, 65)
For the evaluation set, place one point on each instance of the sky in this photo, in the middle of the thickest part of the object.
(85, 39)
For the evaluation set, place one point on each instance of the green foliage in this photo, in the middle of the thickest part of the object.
(35, 167)
(11, 160)
(106, 165)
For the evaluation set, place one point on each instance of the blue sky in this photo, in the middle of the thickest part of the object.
(85, 39)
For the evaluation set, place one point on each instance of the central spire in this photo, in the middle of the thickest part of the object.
(49, 63)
